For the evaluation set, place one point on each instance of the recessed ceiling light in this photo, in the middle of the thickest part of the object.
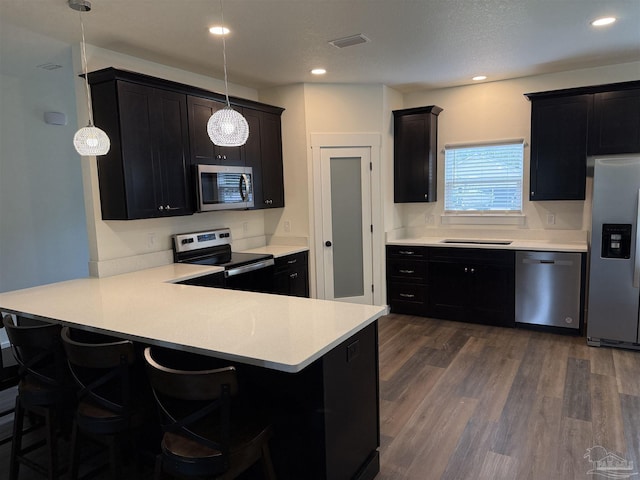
(318, 71)
(600, 22)
(479, 77)
(219, 30)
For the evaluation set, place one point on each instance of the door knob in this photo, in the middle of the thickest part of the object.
(327, 243)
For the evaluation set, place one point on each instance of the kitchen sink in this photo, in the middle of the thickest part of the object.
(477, 242)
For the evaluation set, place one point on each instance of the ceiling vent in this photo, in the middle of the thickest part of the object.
(349, 41)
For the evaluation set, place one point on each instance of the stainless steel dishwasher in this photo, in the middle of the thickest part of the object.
(548, 288)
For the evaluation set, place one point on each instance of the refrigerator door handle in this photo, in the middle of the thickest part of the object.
(636, 270)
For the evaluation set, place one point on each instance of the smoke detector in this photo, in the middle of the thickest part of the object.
(80, 5)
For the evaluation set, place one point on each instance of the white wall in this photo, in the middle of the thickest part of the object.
(43, 236)
(499, 110)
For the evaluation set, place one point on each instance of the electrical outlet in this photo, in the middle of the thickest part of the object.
(151, 240)
(551, 219)
(429, 219)
(287, 226)
(245, 227)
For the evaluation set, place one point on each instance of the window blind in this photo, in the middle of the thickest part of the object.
(484, 178)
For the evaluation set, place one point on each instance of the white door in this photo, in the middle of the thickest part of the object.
(347, 224)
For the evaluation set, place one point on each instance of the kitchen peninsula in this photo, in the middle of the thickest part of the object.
(319, 357)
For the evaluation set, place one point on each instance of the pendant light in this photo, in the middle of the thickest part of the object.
(89, 140)
(227, 127)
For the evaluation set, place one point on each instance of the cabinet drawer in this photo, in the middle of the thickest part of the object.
(478, 256)
(292, 262)
(404, 292)
(401, 251)
(399, 269)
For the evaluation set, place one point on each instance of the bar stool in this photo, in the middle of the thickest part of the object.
(206, 432)
(8, 379)
(110, 399)
(45, 390)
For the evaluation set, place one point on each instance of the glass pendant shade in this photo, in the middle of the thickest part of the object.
(228, 128)
(91, 141)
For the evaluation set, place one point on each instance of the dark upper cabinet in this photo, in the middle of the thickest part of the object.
(145, 173)
(559, 129)
(263, 152)
(158, 131)
(203, 149)
(415, 156)
(568, 125)
(616, 123)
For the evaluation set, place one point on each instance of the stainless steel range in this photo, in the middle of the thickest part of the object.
(242, 271)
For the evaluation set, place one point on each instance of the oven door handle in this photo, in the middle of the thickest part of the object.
(248, 268)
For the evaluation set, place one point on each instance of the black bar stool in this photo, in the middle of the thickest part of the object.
(111, 399)
(207, 432)
(45, 390)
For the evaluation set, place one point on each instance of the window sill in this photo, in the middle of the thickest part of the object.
(483, 219)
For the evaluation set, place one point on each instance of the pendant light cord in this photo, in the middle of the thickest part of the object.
(224, 58)
(84, 69)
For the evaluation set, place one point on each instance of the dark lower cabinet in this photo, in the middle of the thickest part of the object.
(291, 275)
(327, 416)
(472, 285)
(145, 173)
(407, 286)
(465, 284)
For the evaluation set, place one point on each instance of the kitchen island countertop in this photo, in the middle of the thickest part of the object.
(273, 331)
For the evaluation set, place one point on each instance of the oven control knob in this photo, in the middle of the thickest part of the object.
(327, 243)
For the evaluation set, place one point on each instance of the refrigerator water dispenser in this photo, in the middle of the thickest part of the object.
(616, 240)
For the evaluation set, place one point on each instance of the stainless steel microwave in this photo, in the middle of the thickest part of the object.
(224, 188)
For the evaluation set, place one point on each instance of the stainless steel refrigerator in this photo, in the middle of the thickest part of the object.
(614, 274)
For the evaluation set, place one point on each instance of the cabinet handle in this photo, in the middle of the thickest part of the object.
(407, 295)
(291, 262)
(469, 270)
(406, 252)
(426, 196)
(224, 157)
(293, 275)
(160, 207)
(171, 208)
(472, 270)
(219, 157)
(466, 270)
(268, 202)
(407, 271)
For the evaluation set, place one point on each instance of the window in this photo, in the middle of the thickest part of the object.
(483, 178)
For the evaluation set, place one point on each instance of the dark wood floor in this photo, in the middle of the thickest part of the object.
(464, 401)
(461, 401)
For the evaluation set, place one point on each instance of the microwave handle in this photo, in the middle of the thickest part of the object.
(244, 192)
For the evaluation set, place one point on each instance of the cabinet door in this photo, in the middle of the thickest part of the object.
(414, 158)
(271, 158)
(252, 155)
(559, 147)
(616, 123)
(202, 148)
(141, 169)
(292, 275)
(449, 290)
(493, 295)
(169, 121)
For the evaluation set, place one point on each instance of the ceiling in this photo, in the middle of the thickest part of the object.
(414, 45)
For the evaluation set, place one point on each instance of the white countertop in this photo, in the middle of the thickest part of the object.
(516, 244)
(273, 331)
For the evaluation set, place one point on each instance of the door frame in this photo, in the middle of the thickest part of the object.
(372, 141)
